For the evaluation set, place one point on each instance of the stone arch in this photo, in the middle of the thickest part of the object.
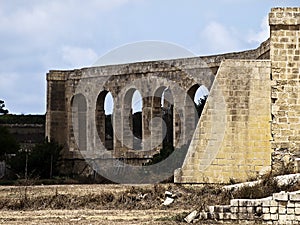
(192, 112)
(79, 120)
(104, 122)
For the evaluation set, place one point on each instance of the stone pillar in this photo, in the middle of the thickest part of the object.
(284, 55)
(146, 128)
(127, 127)
(56, 124)
(100, 123)
(156, 125)
(118, 130)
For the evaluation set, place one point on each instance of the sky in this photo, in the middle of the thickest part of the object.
(38, 35)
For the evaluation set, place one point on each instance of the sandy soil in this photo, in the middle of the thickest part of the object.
(105, 217)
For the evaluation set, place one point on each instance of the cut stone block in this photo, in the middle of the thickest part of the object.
(191, 216)
(282, 196)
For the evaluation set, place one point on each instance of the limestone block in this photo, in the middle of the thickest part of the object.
(282, 218)
(267, 216)
(282, 210)
(235, 209)
(250, 210)
(211, 209)
(290, 211)
(191, 216)
(266, 210)
(295, 197)
(297, 218)
(290, 204)
(297, 210)
(282, 196)
(234, 216)
(243, 209)
(274, 216)
(273, 209)
(243, 216)
(290, 217)
(234, 202)
(226, 216)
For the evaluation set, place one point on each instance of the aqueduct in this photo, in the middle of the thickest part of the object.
(251, 114)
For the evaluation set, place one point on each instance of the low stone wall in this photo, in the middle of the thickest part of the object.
(281, 208)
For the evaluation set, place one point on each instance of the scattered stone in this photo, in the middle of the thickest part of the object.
(193, 215)
(141, 196)
(168, 201)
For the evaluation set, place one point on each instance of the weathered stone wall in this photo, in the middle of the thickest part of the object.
(64, 85)
(285, 54)
(232, 139)
(280, 208)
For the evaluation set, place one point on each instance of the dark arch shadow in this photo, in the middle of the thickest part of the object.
(104, 122)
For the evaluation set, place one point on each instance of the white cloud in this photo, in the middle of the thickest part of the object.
(78, 57)
(31, 38)
(219, 38)
(262, 35)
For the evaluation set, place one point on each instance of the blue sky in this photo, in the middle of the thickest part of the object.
(38, 35)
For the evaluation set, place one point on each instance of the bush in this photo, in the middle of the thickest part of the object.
(8, 144)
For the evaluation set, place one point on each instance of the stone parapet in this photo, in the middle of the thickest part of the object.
(284, 16)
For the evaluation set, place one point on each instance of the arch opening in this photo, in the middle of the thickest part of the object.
(104, 119)
(198, 94)
(137, 120)
(200, 98)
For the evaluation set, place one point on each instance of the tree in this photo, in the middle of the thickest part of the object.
(2, 106)
(41, 161)
(8, 144)
(200, 105)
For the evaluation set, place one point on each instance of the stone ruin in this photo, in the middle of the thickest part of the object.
(250, 123)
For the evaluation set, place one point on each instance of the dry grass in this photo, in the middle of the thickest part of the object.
(109, 204)
(103, 197)
(115, 204)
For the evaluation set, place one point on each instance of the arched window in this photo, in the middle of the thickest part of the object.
(104, 119)
(198, 94)
(137, 119)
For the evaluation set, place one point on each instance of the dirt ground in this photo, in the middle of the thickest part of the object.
(97, 204)
(105, 217)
